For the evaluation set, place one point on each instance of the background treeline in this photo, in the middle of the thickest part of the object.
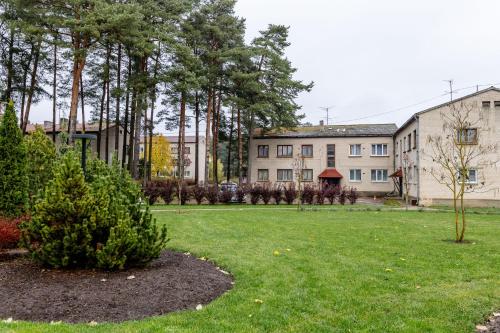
(150, 65)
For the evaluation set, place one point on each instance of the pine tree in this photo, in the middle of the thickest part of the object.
(13, 175)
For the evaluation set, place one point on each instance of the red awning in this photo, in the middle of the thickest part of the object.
(330, 173)
(397, 174)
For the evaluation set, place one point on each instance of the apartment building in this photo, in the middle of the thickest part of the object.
(190, 155)
(348, 155)
(411, 140)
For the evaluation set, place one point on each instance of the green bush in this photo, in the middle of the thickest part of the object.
(42, 155)
(97, 221)
(13, 176)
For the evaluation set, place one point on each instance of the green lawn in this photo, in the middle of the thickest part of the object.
(337, 271)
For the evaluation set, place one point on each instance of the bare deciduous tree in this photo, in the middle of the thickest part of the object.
(406, 167)
(458, 152)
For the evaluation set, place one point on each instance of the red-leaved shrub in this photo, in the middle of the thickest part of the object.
(266, 194)
(198, 193)
(278, 194)
(255, 194)
(290, 193)
(9, 232)
(308, 194)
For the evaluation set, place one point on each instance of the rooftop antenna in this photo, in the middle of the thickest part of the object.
(450, 82)
(327, 109)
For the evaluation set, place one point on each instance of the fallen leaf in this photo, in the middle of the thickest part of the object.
(8, 321)
(259, 301)
(203, 258)
(131, 277)
(55, 322)
(481, 328)
(103, 280)
(250, 315)
(388, 270)
(402, 259)
(199, 307)
(93, 323)
(288, 250)
(276, 253)
(417, 286)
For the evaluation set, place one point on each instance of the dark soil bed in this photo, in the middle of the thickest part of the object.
(173, 282)
(491, 326)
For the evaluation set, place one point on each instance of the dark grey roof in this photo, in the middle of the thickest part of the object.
(333, 131)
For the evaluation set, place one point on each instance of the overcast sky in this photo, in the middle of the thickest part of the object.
(369, 57)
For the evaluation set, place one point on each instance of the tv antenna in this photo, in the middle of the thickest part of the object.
(327, 109)
(450, 82)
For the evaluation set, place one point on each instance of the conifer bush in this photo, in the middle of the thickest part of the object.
(42, 154)
(13, 172)
(94, 221)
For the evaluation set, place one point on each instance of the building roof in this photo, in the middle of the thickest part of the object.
(330, 173)
(416, 115)
(175, 139)
(331, 131)
(90, 127)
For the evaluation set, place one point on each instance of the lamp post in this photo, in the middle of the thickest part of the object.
(84, 138)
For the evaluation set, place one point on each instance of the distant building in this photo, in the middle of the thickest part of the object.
(360, 156)
(190, 154)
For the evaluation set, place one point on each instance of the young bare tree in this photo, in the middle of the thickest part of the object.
(459, 152)
(299, 164)
(406, 167)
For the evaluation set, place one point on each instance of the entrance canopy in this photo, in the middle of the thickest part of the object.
(331, 174)
(397, 174)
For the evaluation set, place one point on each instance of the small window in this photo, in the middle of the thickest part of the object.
(355, 175)
(187, 173)
(467, 136)
(380, 149)
(263, 175)
(397, 149)
(285, 175)
(409, 142)
(187, 150)
(355, 150)
(263, 151)
(414, 139)
(404, 147)
(486, 104)
(174, 150)
(307, 150)
(471, 178)
(307, 175)
(379, 176)
(285, 151)
(497, 104)
(330, 156)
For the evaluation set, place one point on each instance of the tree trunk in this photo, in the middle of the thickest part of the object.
(78, 65)
(31, 91)
(207, 138)
(54, 93)
(118, 97)
(197, 139)
(240, 148)
(101, 118)
(10, 66)
(230, 146)
(25, 83)
(140, 107)
(82, 100)
(181, 147)
(126, 125)
(133, 111)
(152, 114)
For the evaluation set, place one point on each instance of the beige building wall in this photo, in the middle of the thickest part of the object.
(407, 142)
(189, 171)
(318, 163)
(430, 123)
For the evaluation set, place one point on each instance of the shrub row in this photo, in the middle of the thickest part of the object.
(9, 231)
(168, 190)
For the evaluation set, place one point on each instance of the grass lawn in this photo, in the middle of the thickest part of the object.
(337, 271)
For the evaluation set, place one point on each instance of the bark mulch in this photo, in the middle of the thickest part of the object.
(173, 282)
(491, 326)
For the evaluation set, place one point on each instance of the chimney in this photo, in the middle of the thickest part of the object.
(321, 123)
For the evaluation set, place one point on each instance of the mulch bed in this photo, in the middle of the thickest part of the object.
(173, 282)
(491, 326)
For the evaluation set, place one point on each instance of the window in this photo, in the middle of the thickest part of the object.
(414, 139)
(263, 175)
(397, 148)
(404, 147)
(187, 173)
(471, 178)
(497, 104)
(409, 142)
(330, 156)
(486, 104)
(187, 150)
(355, 150)
(467, 136)
(263, 151)
(379, 175)
(355, 175)
(174, 150)
(285, 175)
(285, 151)
(380, 149)
(307, 175)
(307, 150)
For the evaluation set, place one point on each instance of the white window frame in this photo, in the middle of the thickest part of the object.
(383, 173)
(304, 179)
(288, 172)
(355, 172)
(351, 150)
(469, 181)
(383, 147)
(259, 179)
